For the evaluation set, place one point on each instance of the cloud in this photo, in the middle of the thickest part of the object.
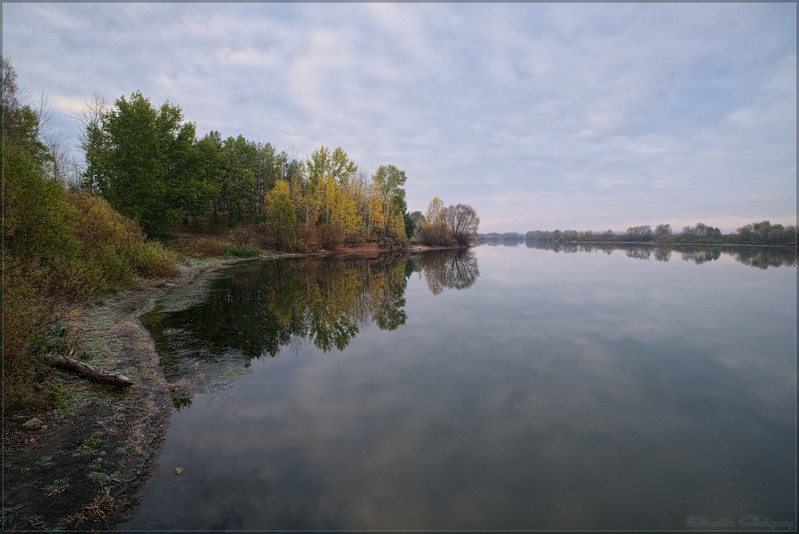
(575, 115)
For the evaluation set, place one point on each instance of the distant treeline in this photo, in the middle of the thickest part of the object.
(496, 236)
(759, 233)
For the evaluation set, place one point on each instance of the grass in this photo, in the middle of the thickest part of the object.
(104, 479)
(123, 447)
(91, 444)
(241, 251)
(22, 516)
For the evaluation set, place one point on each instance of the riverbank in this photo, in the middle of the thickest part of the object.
(80, 466)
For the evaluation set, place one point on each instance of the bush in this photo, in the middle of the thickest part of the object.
(60, 247)
(153, 260)
(243, 235)
(24, 317)
(209, 246)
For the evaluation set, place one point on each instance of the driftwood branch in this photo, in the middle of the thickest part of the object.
(89, 371)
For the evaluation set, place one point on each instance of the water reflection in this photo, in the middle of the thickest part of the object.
(559, 392)
(760, 257)
(255, 312)
(447, 270)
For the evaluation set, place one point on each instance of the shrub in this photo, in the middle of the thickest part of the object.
(153, 260)
(243, 235)
(209, 246)
(24, 316)
(60, 247)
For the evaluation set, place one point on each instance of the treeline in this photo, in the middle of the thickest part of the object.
(500, 237)
(760, 233)
(59, 246)
(150, 165)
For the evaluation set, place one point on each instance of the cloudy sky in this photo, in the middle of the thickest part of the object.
(541, 116)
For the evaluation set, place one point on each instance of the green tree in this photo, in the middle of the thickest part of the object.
(146, 169)
(336, 164)
(238, 185)
(281, 215)
(206, 162)
(269, 170)
(390, 185)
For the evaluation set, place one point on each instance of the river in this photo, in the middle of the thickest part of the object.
(525, 387)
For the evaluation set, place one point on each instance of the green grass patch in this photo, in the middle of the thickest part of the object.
(104, 479)
(242, 251)
(21, 516)
(122, 448)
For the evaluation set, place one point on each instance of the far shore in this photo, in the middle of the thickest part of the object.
(648, 243)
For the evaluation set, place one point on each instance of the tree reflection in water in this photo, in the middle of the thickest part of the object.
(759, 257)
(257, 311)
(447, 270)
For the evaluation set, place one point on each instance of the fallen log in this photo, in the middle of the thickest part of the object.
(89, 371)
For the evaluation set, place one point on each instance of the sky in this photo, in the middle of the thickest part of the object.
(539, 115)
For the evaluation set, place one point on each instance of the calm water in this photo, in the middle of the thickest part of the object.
(502, 388)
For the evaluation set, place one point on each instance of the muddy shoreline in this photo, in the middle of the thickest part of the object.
(82, 467)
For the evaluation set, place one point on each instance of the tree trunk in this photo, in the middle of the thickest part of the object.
(89, 371)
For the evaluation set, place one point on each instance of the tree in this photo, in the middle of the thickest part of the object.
(10, 96)
(640, 233)
(238, 183)
(413, 222)
(145, 169)
(410, 224)
(462, 222)
(662, 230)
(323, 163)
(390, 186)
(433, 230)
(269, 169)
(206, 162)
(281, 214)
(90, 119)
(701, 232)
(343, 168)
